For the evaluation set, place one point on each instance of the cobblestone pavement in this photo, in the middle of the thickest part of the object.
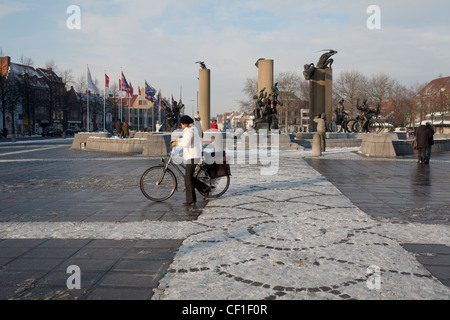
(294, 235)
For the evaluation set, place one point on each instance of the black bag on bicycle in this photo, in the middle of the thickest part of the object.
(217, 170)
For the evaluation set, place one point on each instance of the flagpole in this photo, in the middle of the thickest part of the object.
(104, 106)
(120, 93)
(87, 111)
(139, 107)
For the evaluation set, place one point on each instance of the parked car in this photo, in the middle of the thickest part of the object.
(52, 131)
(411, 132)
(72, 130)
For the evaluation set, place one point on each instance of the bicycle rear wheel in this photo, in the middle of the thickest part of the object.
(218, 185)
(157, 185)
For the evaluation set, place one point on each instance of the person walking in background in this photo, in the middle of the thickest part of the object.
(118, 127)
(198, 125)
(214, 126)
(423, 134)
(320, 120)
(125, 130)
(158, 126)
(430, 142)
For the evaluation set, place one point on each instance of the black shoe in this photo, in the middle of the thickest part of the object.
(186, 204)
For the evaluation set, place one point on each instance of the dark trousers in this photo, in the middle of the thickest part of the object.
(192, 183)
(427, 158)
(421, 154)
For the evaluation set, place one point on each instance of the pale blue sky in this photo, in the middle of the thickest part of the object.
(160, 41)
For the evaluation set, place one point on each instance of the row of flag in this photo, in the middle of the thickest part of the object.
(150, 92)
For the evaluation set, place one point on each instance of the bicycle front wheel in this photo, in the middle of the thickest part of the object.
(218, 185)
(157, 184)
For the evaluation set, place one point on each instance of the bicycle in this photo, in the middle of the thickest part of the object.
(159, 183)
(361, 124)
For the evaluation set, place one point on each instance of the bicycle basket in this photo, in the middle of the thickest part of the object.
(217, 170)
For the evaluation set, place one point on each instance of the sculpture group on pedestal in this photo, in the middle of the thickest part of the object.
(172, 115)
(265, 110)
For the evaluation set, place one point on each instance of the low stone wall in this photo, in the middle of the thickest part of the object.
(379, 145)
(157, 145)
(80, 139)
(116, 145)
(441, 145)
(387, 146)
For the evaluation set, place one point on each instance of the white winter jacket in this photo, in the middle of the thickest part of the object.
(191, 143)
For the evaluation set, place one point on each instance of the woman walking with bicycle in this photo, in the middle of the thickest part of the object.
(192, 153)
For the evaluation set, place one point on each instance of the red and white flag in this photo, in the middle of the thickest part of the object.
(106, 84)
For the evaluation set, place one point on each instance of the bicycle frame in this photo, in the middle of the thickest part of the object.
(170, 161)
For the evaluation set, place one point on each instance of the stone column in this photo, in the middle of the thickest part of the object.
(204, 98)
(265, 75)
(321, 92)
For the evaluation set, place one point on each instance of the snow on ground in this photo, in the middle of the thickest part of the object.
(295, 236)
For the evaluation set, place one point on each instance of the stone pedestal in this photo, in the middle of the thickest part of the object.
(379, 145)
(321, 95)
(265, 75)
(316, 149)
(204, 98)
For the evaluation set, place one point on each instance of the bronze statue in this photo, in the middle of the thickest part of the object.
(202, 64)
(266, 109)
(308, 71)
(325, 60)
(170, 117)
(342, 116)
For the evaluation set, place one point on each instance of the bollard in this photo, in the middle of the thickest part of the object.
(13, 138)
(316, 149)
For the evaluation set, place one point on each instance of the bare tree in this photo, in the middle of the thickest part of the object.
(250, 90)
(80, 89)
(26, 61)
(379, 88)
(350, 86)
(51, 65)
(67, 77)
(289, 85)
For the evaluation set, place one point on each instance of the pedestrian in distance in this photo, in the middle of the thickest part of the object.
(192, 154)
(198, 125)
(125, 130)
(158, 126)
(430, 143)
(321, 130)
(214, 126)
(118, 127)
(423, 135)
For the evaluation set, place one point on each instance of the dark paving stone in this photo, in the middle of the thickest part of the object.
(110, 269)
(399, 190)
(434, 257)
(402, 189)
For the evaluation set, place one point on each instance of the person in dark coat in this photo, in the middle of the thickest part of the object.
(430, 143)
(422, 137)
